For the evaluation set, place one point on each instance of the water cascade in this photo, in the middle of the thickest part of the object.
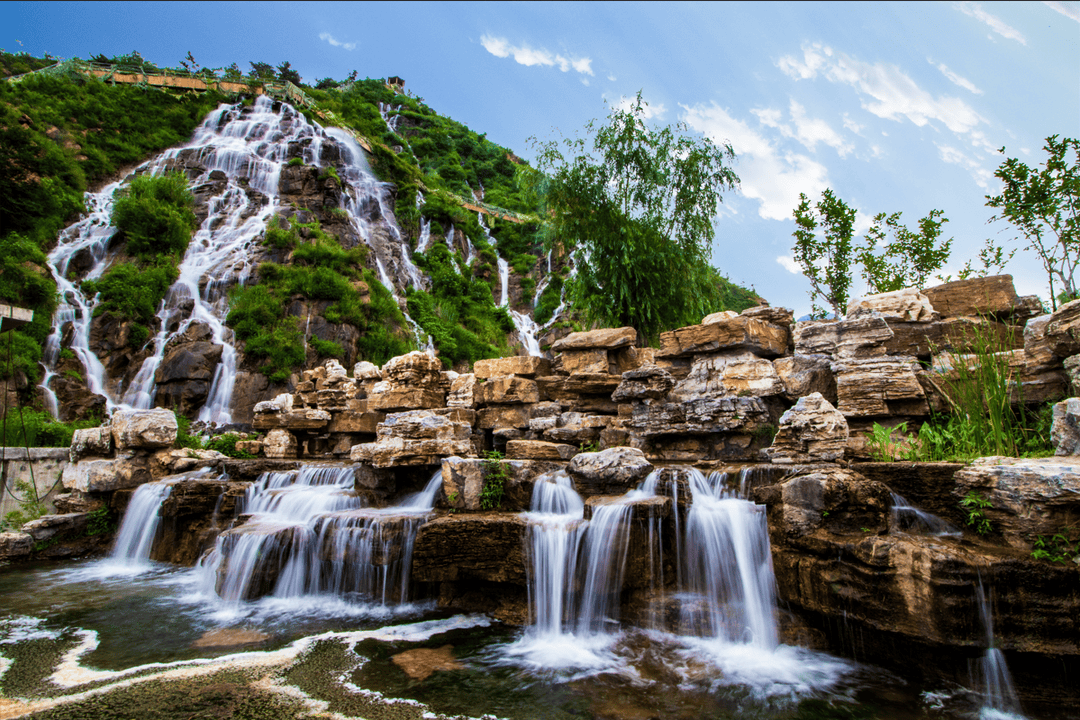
(906, 518)
(991, 673)
(307, 533)
(136, 536)
(527, 328)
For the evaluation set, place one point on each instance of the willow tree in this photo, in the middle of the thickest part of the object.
(635, 205)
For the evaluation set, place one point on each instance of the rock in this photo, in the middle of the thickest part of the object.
(503, 416)
(1028, 497)
(802, 375)
(418, 437)
(279, 444)
(835, 499)
(306, 419)
(1072, 370)
(416, 370)
(524, 366)
(463, 481)
(126, 470)
(861, 336)
(812, 431)
(348, 421)
(879, 387)
(781, 316)
(728, 373)
(713, 415)
(364, 370)
(91, 441)
(1065, 431)
(647, 383)
(249, 390)
(721, 316)
(630, 358)
(1063, 330)
(49, 526)
(509, 390)
(739, 333)
(462, 391)
(251, 447)
(143, 428)
(15, 545)
(184, 376)
(282, 403)
(605, 339)
(399, 399)
(1037, 350)
(487, 548)
(907, 305)
(420, 663)
(584, 361)
(539, 450)
(975, 297)
(615, 470)
(180, 460)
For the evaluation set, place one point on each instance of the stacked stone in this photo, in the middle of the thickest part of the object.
(713, 389)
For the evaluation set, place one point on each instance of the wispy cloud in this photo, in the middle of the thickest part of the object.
(808, 131)
(789, 264)
(996, 24)
(335, 42)
(772, 177)
(955, 78)
(612, 78)
(892, 94)
(1070, 10)
(951, 155)
(528, 56)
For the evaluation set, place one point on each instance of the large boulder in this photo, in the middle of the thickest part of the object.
(610, 471)
(143, 429)
(507, 390)
(707, 415)
(416, 370)
(738, 333)
(811, 431)
(183, 379)
(1063, 330)
(1065, 431)
(876, 387)
(91, 442)
(907, 304)
(806, 374)
(604, 339)
(739, 373)
(993, 295)
(463, 481)
(126, 470)
(650, 382)
(525, 366)
(417, 437)
(863, 335)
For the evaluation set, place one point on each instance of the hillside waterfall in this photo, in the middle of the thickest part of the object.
(242, 152)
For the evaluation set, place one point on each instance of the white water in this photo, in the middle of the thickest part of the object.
(906, 518)
(309, 534)
(135, 538)
(992, 676)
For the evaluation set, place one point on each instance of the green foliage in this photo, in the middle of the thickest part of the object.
(100, 521)
(280, 346)
(155, 216)
(496, 474)
(975, 505)
(134, 293)
(280, 233)
(184, 438)
(295, 161)
(30, 507)
(1061, 547)
(1043, 205)
(908, 258)
(825, 261)
(880, 442)
(25, 427)
(640, 203)
(326, 348)
(226, 445)
(549, 300)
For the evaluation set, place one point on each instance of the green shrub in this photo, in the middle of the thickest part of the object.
(326, 348)
(295, 161)
(134, 293)
(154, 214)
(280, 234)
(496, 474)
(26, 427)
(549, 300)
(226, 445)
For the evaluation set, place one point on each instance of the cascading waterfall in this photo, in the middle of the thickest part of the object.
(242, 152)
(308, 534)
(135, 539)
(906, 518)
(527, 328)
(992, 675)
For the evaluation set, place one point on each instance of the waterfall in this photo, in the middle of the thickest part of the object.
(906, 518)
(992, 674)
(527, 328)
(135, 539)
(239, 153)
(308, 534)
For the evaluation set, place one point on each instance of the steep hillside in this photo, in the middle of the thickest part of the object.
(267, 228)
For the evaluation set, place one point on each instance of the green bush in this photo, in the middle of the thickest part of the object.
(226, 445)
(154, 214)
(134, 293)
(27, 427)
(326, 348)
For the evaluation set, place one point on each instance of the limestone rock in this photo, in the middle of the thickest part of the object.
(811, 431)
(397, 399)
(738, 333)
(365, 370)
(605, 339)
(1037, 350)
(647, 383)
(862, 336)
(719, 317)
(463, 482)
(501, 416)
(879, 387)
(508, 390)
(711, 415)
(539, 450)
(143, 428)
(524, 366)
(280, 444)
(975, 297)
(418, 437)
(282, 403)
(907, 304)
(614, 470)
(126, 470)
(472, 548)
(351, 421)
(179, 460)
(630, 358)
(91, 441)
(584, 361)
(15, 545)
(802, 375)
(728, 373)
(306, 419)
(781, 316)
(1028, 496)
(831, 498)
(1065, 431)
(1072, 370)
(462, 391)
(49, 526)
(1063, 330)
(184, 375)
(416, 370)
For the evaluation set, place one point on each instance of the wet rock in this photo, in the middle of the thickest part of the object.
(306, 419)
(50, 526)
(455, 548)
(728, 373)
(605, 339)
(802, 375)
(184, 376)
(614, 470)
(739, 333)
(463, 482)
(251, 469)
(248, 391)
(91, 441)
(15, 545)
(539, 450)
(180, 460)
(646, 383)
(418, 437)
(812, 431)
(831, 499)
(975, 297)
(1028, 497)
(126, 470)
(420, 663)
(907, 304)
(523, 366)
(143, 428)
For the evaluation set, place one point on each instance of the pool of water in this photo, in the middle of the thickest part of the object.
(104, 627)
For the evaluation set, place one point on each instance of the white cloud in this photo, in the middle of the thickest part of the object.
(648, 111)
(1070, 10)
(956, 79)
(525, 55)
(951, 155)
(808, 131)
(770, 176)
(996, 24)
(789, 264)
(893, 94)
(585, 82)
(612, 78)
(335, 42)
(852, 125)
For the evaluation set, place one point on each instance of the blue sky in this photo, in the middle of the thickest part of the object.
(895, 106)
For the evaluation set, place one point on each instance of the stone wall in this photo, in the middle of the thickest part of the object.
(44, 468)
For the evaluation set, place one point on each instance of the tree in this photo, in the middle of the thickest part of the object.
(261, 70)
(1042, 205)
(287, 74)
(826, 261)
(190, 64)
(905, 260)
(636, 204)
